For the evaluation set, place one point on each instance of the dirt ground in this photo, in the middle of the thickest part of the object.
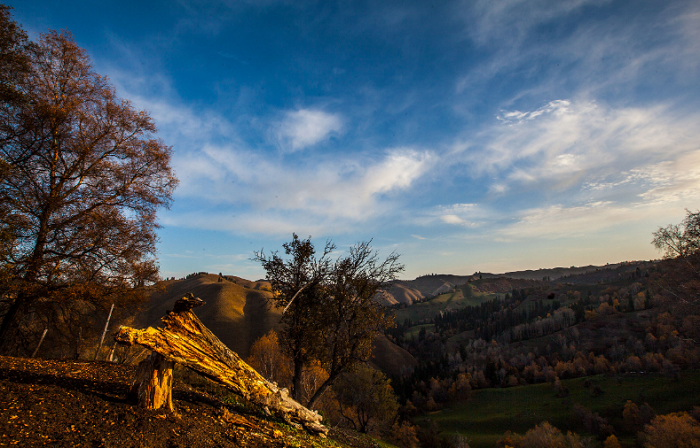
(77, 403)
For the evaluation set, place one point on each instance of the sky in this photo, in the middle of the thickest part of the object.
(465, 136)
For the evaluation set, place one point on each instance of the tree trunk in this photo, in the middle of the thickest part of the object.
(296, 379)
(153, 387)
(320, 391)
(186, 340)
(7, 327)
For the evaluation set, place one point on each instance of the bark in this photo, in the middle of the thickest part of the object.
(153, 387)
(184, 339)
(8, 325)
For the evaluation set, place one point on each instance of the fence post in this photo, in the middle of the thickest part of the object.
(40, 341)
(104, 332)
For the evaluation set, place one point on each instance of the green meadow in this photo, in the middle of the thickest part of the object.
(491, 412)
(462, 296)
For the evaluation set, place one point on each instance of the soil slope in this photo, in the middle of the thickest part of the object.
(72, 403)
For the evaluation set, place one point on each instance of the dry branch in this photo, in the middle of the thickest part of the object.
(184, 339)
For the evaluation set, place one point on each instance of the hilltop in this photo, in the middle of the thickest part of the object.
(236, 309)
(237, 312)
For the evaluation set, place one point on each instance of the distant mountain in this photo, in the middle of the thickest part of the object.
(426, 286)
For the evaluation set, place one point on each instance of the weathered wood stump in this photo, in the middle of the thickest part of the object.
(153, 387)
(184, 339)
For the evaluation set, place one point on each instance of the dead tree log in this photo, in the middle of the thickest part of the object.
(184, 339)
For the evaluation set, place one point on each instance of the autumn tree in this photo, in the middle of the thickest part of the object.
(366, 398)
(267, 358)
(543, 435)
(14, 69)
(84, 178)
(671, 431)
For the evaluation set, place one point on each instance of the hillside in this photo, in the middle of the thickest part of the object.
(236, 309)
(428, 286)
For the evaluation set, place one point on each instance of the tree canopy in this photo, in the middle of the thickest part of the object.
(330, 312)
(83, 178)
(680, 244)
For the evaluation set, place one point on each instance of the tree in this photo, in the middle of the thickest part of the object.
(267, 358)
(679, 240)
(671, 431)
(366, 398)
(85, 176)
(680, 244)
(14, 69)
(612, 442)
(352, 315)
(295, 284)
(330, 312)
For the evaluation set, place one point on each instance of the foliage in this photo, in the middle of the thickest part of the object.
(404, 434)
(543, 435)
(84, 179)
(677, 430)
(296, 286)
(267, 358)
(366, 399)
(611, 442)
(680, 244)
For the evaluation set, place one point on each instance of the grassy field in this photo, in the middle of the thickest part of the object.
(491, 412)
(462, 296)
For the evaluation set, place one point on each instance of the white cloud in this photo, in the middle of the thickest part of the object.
(306, 127)
(452, 219)
(465, 215)
(573, 142)
(269, 196)
(558, 221)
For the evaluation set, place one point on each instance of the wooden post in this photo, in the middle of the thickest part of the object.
(104, 332)
(153, 387)
(79, 343)
(110, 358)
(40, 341)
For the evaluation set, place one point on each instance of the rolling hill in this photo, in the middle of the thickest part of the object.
(236, 309)
(237, 312)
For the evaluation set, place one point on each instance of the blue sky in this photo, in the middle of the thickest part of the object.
(464, 135)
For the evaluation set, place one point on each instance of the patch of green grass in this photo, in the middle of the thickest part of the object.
(413, 331)
(462, 296)
(492, 412)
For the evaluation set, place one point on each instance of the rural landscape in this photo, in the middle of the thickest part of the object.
(301, 341)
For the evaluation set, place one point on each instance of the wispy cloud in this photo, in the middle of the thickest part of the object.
(567, 143)
(302, 128)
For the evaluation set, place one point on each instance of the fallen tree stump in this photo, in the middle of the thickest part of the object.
(185, 340)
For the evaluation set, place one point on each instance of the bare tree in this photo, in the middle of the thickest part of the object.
(681, 268)
(331, 313)
(85, 178)
(296, 286)
(352, 315)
